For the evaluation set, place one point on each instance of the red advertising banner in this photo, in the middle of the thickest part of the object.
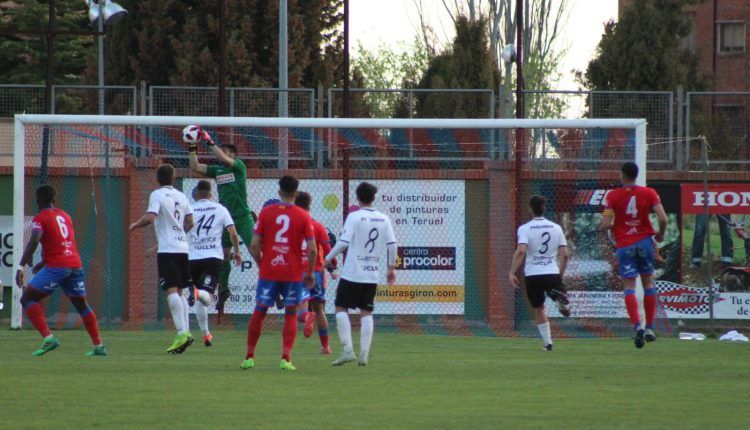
(721, 198)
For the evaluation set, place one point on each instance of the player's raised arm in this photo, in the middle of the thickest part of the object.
(217, 151)
(195, 165)
(146, 220)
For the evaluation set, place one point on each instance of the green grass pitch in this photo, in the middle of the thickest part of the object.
(413, 382)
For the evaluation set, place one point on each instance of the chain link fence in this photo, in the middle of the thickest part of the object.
(724, 119)
(251, 102)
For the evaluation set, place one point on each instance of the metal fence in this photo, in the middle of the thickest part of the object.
(724, 119)
(204, 101)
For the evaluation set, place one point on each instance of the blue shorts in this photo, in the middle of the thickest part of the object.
(49, 279)
(294, 293)
(318, 293)
(636, 259)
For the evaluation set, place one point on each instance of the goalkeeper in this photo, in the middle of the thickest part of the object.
(231, 180)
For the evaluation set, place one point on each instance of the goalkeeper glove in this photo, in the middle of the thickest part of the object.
(192, 146)
(206, 138)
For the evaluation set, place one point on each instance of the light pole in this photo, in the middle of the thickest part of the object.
(103, 12)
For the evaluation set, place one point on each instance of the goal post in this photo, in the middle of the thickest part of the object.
(447, 183)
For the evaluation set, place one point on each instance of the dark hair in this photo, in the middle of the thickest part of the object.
(202, 190)
(165, 174)
(366, 192)
(630, 170)
(45, 194)
(231, 147)
(303, 200)
(537, 204)
(288, 185)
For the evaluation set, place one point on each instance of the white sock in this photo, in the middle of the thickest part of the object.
(368, 327)
(545, 332)
(186, 306)
(201, 314)
(344, 327)
(177, 311)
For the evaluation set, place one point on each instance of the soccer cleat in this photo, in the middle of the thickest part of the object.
(639, 342)
(286, 365)
(248, 364)
(189, 341)
(181, 343)
(649, 335)
(325, 350)
(207, 339)
(563, 303)
(49, 344)
(309, 324)
(100, 350)
(346, 357)
(362, 359)
(548, 347)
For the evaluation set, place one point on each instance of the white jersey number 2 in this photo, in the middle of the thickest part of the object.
(283, 220)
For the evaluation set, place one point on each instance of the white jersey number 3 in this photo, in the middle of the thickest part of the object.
(632, 209)
(283, 220)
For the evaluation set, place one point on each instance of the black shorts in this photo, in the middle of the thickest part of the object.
(174, 270)
(205, 273)
(538, 285)
(353, 295)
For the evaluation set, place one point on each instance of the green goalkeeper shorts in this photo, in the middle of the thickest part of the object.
(244, 225)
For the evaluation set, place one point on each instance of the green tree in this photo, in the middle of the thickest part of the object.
(642, 51)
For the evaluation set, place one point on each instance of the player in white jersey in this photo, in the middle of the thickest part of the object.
(543, 244)
(367, 234)
(170, 212)
(206, 252)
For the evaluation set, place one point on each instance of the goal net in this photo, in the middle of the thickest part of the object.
(455, 190)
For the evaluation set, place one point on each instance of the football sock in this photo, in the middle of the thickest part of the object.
(178, 314)
(323, 334)
(92, 327)
(226, 269)
(365, 339)
(201, 314)
(254, 328)
(545, 332)
(649, 305)
(344, 327)
(289, 334)
(631, 304)
(36, 315)
(186, 307)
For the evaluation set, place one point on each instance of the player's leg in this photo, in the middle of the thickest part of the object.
(289, 334)
(557, 292)
(265, 291)
(226, 269)
(346, 298)
(367, 323)
(535, 288)
(305, 315)
(320, 314)
(645, 251)
(74, 287)
(38, 288)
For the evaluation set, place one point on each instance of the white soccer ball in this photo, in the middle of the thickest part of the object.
(191, 134)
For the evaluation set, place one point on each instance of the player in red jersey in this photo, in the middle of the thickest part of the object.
(277, 250)
(316, 310)
(627, 215)
(60, 267)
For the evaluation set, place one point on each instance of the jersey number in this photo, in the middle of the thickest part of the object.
(63, 227)
(177, 211)
(632, 209)
(373, 236)
(204, 224)
(283, 221)
(545, 242)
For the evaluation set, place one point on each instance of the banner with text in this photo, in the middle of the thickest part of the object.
(6, 250)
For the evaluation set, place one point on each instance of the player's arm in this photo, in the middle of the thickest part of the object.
(312, 254)
(28, 253)
(518, 257)
(147, 219)
(608, 219)
(235, 244)
(391, 252)
(195, 165)
(343, 242)
(563, 256)
(255, 246)
(188, 222)
(662, 216)
(218, 153)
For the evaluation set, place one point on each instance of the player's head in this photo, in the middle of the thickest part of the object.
(202, 190)
(229, 149)
(303, 200)
(537, 204)
(629, 171)
(288, 187)
(165, 174)
(366, 193)
(271, 202)
(45, 196)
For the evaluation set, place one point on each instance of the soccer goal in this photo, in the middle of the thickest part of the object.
(455, 190)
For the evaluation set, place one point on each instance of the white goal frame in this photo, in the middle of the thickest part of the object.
(21, 121)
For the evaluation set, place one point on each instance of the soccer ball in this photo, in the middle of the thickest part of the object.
(191, 134)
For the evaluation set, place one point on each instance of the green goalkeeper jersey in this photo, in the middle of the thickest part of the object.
(232, 185)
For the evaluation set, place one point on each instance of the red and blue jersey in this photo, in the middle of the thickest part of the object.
(58, 240)
(283, 228)
(631, 205)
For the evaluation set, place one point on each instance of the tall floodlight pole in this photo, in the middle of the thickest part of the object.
(283, 82)
(222, 57)
(520, 108)
(100, 23)
(347, 112)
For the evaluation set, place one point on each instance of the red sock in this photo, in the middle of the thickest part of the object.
(302, 316)
(289, 334)
(631, 304)
(324, 340)
(254, 328)
(89, 320)
(649, 305)
(36, 315)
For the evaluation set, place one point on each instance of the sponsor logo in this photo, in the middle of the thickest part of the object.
(281, 249)
(225, 178)
(723, 198)
(426, 258)
(683, 299)
(591, 197)
(278, 261)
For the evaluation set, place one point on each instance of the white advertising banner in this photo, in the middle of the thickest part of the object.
(428, 219)
(6, 250)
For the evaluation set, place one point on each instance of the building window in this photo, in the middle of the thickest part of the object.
(732, 118)
(688, 42)
(731, 37)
